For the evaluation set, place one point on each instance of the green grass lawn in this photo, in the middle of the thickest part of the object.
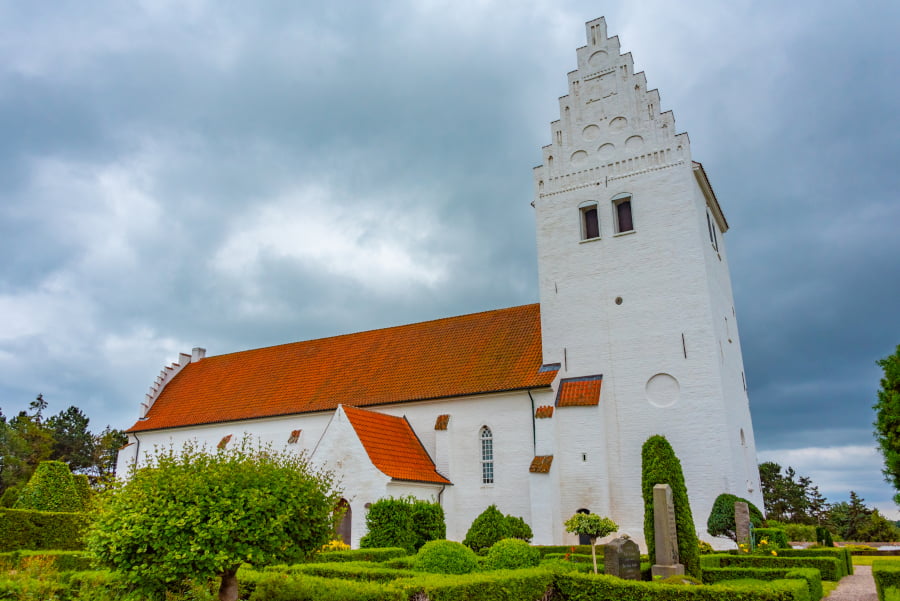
(866, 560)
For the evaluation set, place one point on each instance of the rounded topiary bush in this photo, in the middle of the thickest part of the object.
(487, 529)
(721, 516)
(51, 488)
(446, 557)
(511, 554)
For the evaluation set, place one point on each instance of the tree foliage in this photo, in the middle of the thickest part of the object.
(593, 526)
(854, 521)
(887, 419)
(195, 513)
(721, 516)
(51, 488)
(491, 526)
(789, 497)
(660, 465)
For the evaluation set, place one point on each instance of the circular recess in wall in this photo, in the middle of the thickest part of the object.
(634, 143)
(662, 390)
(618, 300)
(598, 59)
(579, 157)
(591, 132)
(606, 151)
(618, 124)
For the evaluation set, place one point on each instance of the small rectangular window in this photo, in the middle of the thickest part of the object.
(590, 222)
(624, 222)
(711, 224)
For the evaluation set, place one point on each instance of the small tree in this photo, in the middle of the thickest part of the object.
(593, 526)
(489, 527)
(721, 517)
(659, 465)
(196, 513)
(887, 419)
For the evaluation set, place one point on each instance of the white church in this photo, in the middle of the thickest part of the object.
(540, 409)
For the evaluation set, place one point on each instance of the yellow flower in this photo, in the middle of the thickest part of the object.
(775, 553)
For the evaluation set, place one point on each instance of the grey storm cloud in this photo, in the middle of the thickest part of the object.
(184, 174)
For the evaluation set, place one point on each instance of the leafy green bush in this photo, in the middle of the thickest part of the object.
(823, 537)
(37, 530)
(574, 558)
(659, 465)
(511, 554)
(446, 557)
(544, 550)
(51, 488)
(406, 522)
(83, 488)
(428, 521)
(721, 516)
(192, 513)
(486, 529)
(774, 536)
(516, 527)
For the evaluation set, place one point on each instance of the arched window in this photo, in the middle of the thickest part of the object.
(590, 220)
(487, 456)
(622, 213)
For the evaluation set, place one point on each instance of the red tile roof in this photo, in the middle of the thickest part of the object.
(579, 392)
(541, 464)
(457, 356)
(442, 422)
(392, 446)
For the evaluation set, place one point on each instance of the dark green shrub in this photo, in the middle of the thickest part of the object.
(831, 568)
(516, 527)
(10, 496)
(721, 516)
(775, 536)
(487, 529)
(376, 555)
(587, 587)
(511, 554)
(428, 521)
(51, 488)
(446, 557)
(37, 530)
(842, 554)
(83, 488)
(886, 573)
(812, 576)
(659, 465)
(823, 537)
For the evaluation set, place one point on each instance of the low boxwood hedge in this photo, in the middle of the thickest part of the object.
(529, 584)
(812, 576)
(357, 570)
(39, 530)
(580, 549)
(575, 558)
(374, 554)
(830, 567)
(588, 587)
(886, 573)
(841, 554)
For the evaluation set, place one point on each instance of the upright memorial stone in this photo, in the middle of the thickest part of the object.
(665, 535)
(742, 523)
(622, 558)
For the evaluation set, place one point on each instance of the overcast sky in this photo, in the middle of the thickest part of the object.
(236, 175)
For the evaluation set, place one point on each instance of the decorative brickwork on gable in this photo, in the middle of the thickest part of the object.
(541, 464)
(481, 353)
(579, 392)
(393, 447)
(442, 422)
(543, 412)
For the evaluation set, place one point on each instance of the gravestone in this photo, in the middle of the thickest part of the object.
(665, 534)
(742, 523)
(622, 558)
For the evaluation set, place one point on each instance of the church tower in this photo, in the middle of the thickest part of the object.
(636, 298)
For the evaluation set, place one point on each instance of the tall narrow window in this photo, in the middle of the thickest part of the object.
(711, 224)
(622, 213)
(590, 221)
(487, 456)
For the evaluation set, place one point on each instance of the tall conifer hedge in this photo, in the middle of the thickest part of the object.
(659, 465)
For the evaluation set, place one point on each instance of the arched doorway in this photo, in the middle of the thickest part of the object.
(584, 539)
(343, 529)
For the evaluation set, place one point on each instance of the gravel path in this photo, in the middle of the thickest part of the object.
(858, 587)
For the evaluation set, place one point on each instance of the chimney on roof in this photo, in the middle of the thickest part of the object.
(197, 354)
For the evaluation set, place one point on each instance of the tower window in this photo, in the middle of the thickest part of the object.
(622, 213)
(711, 224)
(590, 221)
(487, 456)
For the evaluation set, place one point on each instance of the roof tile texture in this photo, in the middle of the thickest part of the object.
(457, 356)
(580, 392)
(392, 446)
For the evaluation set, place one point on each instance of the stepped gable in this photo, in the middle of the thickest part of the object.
(472, 354)
(393, 446)
(610, 125)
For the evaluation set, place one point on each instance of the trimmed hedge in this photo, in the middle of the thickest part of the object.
(63, 561)
(362, 571)
(376, 555)
(545, 550)
(511, 554)
(660, 465)
(530, 584)
(575, 558)
(51, 488)
(812, 576)
(839, 553)
(831, 568)
(38, 530)
(588, 587)
(446, 557)
(271, 586)
(775, 536)
(886, 573)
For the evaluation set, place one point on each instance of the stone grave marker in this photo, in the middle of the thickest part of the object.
(742, 523)
(622, 558)
(666, 534)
